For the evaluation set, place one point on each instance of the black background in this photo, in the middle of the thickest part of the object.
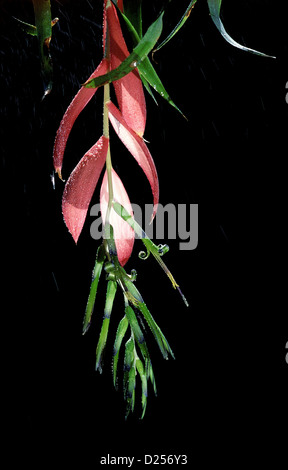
(224, 395)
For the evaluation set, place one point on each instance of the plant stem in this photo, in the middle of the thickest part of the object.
(108, 158)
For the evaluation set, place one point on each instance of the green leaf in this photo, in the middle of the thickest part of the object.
(130, 314)
(121, 331)
(158, 335)
(178, 26)
(215, 7)
(100, 258)
(129, 377)
(139, 53)
(133, 11)
(150, 246)
(111, 291)
(27, 27)
(30, 28)
(141, 371)
(147, 72)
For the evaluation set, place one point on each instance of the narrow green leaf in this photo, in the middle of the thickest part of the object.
(121, 331)
(215, 7)
(129, 377)
(133, 11)
(152, 378)
(147, 72)
(158, 335)
(178, 26)
(135, 327)
(141, 371)
(139, 53)
(27, 27)
(150, 246)
(100, 258)
(30, 28)
(111, 291)
(148, 88)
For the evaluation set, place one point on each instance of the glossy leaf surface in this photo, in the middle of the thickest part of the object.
(215, 7)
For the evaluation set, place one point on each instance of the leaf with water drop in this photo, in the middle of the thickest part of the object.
(148, 74)
(144, 46)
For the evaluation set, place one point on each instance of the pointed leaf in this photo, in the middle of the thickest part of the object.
(27, 27)
(129, 90)
(143, 377)
(30, 28)
(128, 64)
(79, 102)
(100, 258)
(214, 7)
(158, 335)
(80, 187)
(129, 377)
(111, 291)
(123, 233)
(137, 148)
(135, 327)
(121, 331)
(157, 251)
(178, 26)
(147, 72)
(133, 11)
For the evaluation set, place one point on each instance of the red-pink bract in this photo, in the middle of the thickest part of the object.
(137, 148)
(123, 234)
(129, 89)
(81, 185)
(79, 102)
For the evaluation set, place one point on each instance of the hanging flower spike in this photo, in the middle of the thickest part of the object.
(123, 233)
(129, 89)
(81, 185)
(79, 102)
(137, 148)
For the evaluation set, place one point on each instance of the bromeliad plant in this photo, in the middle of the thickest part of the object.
(128, 121)
(128, 72)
